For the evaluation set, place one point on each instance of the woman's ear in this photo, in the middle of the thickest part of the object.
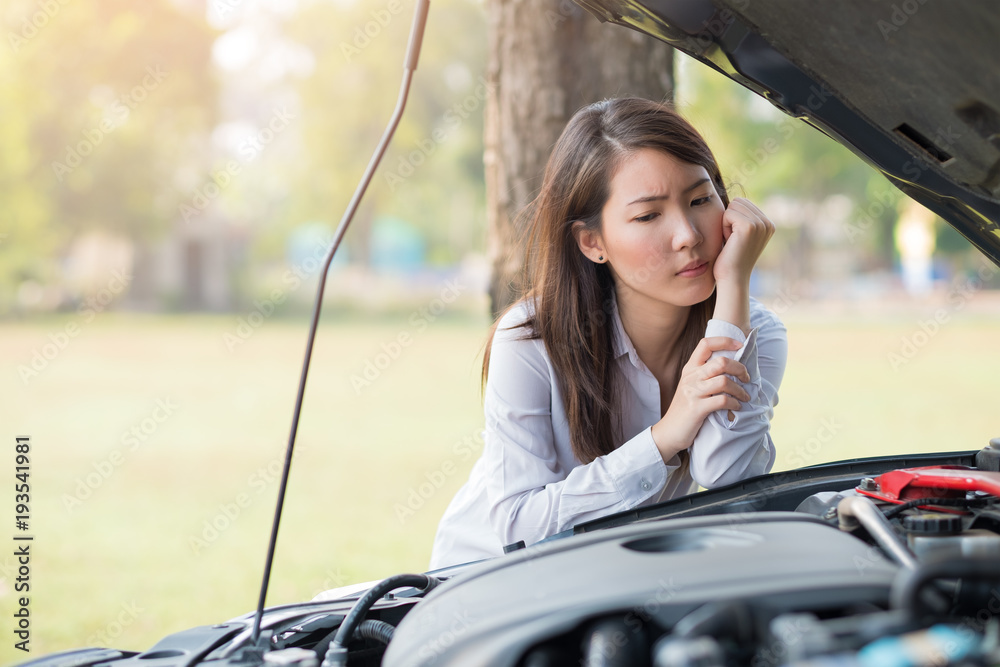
(589, 242)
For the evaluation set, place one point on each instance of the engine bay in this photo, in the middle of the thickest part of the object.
(904, 564)
(811, 587)
(900, 569)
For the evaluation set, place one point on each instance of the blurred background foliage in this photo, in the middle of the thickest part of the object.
(204, 147)
(102, 111)
(258, 123)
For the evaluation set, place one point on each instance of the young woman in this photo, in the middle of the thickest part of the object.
(637, 366)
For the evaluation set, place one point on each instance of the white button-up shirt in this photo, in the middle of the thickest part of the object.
(528, 485)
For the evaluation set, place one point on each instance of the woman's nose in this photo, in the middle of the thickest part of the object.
(686, 234)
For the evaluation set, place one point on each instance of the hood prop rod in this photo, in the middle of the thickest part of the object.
(409, 67)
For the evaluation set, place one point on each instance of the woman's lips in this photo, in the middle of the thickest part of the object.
(694, 272)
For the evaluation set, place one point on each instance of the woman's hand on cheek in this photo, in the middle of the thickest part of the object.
(704, 387)
(746, 231)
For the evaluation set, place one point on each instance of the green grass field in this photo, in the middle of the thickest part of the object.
(125, 549)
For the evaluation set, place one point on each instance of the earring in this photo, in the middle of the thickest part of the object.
(601, 258)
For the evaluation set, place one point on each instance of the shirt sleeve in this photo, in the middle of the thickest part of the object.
(530, 495)
(726, 451)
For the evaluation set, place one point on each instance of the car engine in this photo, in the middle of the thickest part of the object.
(901, 569)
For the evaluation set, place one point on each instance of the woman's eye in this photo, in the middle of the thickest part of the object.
(646, 218)
(701, 201)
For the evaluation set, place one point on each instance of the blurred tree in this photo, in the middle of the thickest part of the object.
(104, 103)
(546, 61)
(25, 237)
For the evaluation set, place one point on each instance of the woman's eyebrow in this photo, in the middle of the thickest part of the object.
(643, 200)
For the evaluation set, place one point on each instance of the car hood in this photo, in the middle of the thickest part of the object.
(927, 117)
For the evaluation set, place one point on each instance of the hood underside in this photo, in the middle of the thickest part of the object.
(911, 86)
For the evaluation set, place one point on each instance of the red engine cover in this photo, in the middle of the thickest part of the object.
(898, 486)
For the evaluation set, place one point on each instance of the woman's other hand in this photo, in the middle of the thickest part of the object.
(703, 388)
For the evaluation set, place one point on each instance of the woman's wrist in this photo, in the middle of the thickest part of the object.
(663, 441)
(732, 303)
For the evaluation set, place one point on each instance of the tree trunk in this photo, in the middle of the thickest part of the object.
(547, 60)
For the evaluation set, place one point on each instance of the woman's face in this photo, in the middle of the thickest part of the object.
(661, 229)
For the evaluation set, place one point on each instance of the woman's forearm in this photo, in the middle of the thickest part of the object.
(732, 304)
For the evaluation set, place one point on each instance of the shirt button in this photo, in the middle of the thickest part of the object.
(644, 483)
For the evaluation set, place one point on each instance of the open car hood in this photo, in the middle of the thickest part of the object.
(927, 116)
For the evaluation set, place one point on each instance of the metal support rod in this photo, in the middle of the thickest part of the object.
(855, 510)
(413, 50)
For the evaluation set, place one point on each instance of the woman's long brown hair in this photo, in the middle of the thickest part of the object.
(573, 297)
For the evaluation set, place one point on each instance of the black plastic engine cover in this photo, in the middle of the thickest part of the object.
(492, 613)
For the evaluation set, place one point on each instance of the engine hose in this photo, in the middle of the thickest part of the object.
(368, 629)
(380, 631)
(964, 503)
(907, 587)
(336, 655)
